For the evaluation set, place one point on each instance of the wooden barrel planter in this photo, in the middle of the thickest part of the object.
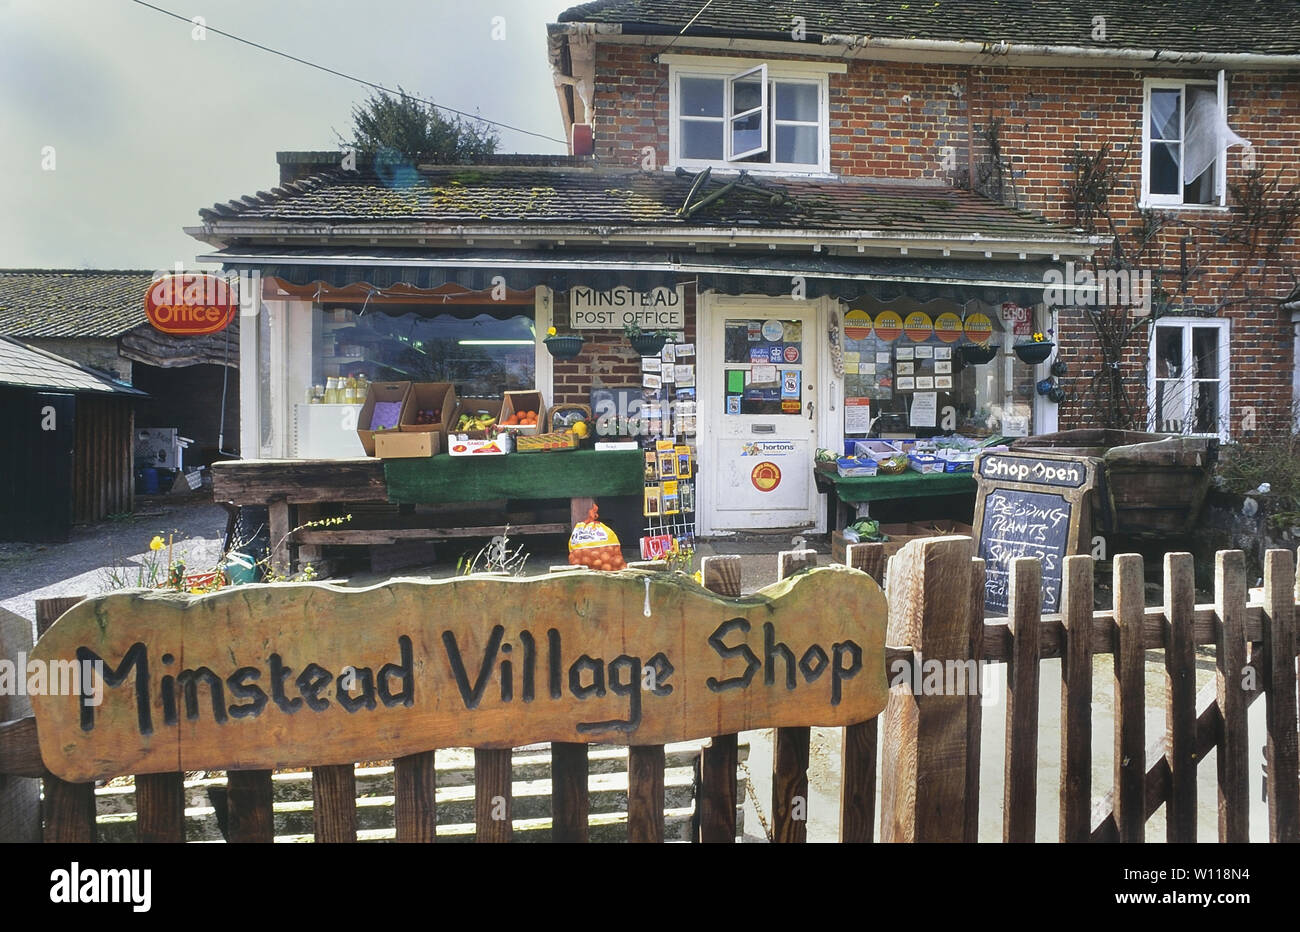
(1153, 485)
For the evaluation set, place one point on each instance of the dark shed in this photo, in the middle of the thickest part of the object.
(65, 444)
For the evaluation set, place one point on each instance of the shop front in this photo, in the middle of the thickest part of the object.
(719, 366)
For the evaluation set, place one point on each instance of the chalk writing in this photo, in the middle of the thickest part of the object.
(1023, 524)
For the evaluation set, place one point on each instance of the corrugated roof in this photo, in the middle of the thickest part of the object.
(28, 367)
(1218, 26)
(71, 302)
(494, 196)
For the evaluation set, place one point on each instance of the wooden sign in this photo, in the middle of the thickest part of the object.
(288, 675)
(1030, 506)
(190, 304)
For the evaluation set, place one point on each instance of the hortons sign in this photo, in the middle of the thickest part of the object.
(190, 304)
(290, 675)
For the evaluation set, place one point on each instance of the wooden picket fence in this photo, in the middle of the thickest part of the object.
(929, 755)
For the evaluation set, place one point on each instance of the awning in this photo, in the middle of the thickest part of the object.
(725, 272)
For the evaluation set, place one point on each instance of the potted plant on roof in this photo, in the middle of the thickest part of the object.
(646, 342)
(563, 346)
(1035, 350)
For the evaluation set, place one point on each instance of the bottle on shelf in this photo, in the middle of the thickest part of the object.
(332, 391)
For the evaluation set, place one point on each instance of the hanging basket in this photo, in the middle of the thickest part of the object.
(565, 346)
(648, 344)
(1034, 353)
(976, 354)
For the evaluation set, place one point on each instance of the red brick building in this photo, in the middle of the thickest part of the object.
(824, 202)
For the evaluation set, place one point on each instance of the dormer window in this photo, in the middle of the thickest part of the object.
(765, 116)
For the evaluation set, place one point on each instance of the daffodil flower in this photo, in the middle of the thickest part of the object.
(157, 543)
(550, 331)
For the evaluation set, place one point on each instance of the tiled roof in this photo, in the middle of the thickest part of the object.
(28, 367)
(1220, 26)
(71, 302)
(494, 196)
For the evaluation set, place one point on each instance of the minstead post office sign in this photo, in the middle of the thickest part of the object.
(657, 309)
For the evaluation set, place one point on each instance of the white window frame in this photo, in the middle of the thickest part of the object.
(1162, 201)
(730, 69)
(1224, 376)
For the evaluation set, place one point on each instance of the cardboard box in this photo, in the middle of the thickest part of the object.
(849, 467)
(395, 445)
(923, 463)
(528, 400)
(485, 447)
(438, 397)
(490, 406)
(869, 447)
(385, 393)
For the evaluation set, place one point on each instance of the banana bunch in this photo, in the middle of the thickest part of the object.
(475, 422)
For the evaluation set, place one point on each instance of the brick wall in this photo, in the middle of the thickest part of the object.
(896, 120)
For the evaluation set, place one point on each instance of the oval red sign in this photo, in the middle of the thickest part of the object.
(190, 303)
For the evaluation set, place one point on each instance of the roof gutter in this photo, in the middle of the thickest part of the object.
(970, 49)
(1017, 49)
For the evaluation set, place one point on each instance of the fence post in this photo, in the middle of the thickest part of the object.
(718, 761)
(69, 807)
(790, 747)
(1232, 744)
(20, 797)
(858, 747)
(1278, 671)
(926, 737)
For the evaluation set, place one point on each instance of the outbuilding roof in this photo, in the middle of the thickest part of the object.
(28, 367)
(1211, 26)
(71, 302)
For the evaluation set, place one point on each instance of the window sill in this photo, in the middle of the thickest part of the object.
(1184, 208)
(730, 168)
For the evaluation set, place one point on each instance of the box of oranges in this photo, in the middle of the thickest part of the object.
(522, 412)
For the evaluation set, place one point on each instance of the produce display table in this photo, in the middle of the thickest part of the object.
(294, 490)
(570, 474)
(863, 489)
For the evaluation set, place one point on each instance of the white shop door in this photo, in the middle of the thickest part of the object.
(762, 409)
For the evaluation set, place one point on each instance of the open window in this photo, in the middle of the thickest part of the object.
(747, 110)
(765, 116)
(1186, 136)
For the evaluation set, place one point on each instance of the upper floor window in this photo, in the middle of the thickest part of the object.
(756, 117)
(1185, 135)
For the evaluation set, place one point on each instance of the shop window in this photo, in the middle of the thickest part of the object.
(754, 117)
(894, 352)
(482, 353)
(1185, 137)
(1188, 388)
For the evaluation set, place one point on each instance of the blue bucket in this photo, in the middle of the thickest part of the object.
(149, 481)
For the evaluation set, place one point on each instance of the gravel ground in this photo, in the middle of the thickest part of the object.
(84, 565)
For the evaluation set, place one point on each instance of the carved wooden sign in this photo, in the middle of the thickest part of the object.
(298, 674)
(1030, 505)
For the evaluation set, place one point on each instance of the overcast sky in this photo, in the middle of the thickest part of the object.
(148, 125)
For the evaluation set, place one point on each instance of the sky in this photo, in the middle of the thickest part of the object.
(117, 124)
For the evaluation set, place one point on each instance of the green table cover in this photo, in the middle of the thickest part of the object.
(571, 474)
(854, 491)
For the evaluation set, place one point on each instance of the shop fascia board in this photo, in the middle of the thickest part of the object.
(1008, 54)
(846, 241)
(692, 265)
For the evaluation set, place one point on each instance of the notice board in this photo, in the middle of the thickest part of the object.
(1030, 505)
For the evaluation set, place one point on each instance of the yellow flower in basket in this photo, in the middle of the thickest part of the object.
(550, 331)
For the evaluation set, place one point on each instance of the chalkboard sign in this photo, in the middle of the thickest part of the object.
(1029, 506)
